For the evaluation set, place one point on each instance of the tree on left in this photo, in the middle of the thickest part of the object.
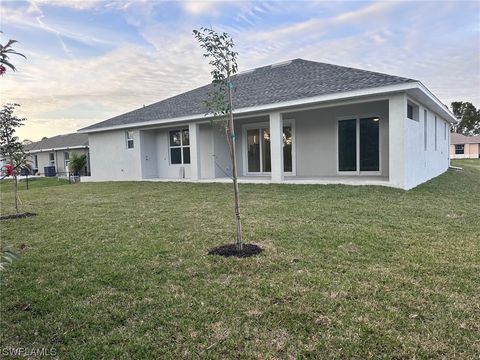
(8, 140)
(11, 149)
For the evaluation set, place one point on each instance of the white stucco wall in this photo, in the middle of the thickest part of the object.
(424, 164)
(110, 160)
(316, 137)
(165, 169)
(207, 164)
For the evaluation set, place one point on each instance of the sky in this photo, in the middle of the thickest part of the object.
(88, 61)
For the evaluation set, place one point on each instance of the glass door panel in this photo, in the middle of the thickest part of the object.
(266, 158)
(347, 145)
(287, 149)
(253, 144)
(369, 144)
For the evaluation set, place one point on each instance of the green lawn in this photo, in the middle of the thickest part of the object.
(119, 270)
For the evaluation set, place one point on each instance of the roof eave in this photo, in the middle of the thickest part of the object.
(57, 149)
(292, 103)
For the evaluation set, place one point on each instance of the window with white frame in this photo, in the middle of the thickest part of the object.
(179, 147)
(66, 158)
(129, 136)
(412, 111)
(51, 158)
(358, 144)
(459, 149)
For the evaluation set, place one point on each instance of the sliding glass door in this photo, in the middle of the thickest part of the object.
(359, 145)
(347, 145)
(258, 150)
(369, 144)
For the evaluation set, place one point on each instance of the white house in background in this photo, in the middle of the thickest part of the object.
(55, 152)
(464, 147)
(296, 122)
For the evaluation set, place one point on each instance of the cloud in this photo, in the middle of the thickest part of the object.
(74, 4)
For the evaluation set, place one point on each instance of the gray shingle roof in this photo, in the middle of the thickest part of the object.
(294, 80)
(59, 142)
(463, 139)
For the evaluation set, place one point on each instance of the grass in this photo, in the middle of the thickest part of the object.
(33, 182)
(119, 270)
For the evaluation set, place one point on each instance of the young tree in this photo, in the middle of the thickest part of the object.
(219, 50)
(469, 118)
(10, 147)
(77, 163)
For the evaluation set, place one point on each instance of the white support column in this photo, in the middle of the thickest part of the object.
(194, 134)
(397, 115)
(276, 146)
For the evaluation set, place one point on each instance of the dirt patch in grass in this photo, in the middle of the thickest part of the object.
(231, 250)
(17, 216)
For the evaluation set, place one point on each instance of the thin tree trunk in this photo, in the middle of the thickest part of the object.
(238, 242)
(16, 192)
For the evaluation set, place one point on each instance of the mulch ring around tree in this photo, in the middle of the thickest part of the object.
(231, 250)
(17, 216)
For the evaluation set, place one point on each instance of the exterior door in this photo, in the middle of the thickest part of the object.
(258, 151)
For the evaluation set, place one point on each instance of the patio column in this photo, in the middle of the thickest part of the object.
(276, 146)
(193, 130)
(397, 115)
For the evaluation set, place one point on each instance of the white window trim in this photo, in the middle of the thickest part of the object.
(178, 146)
(65, 160)
(266, 125)
(415, 109)
(127, 140)
(50, 161)
(380, 155)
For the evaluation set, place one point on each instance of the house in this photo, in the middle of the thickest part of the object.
(464, 147)
(55, 152)
(295, 122)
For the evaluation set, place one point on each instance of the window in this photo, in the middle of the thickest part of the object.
(259, 159)
(359, 144)
(412, 111)
(129, 135)
(51, 158)
(436, 138)
(66, 158)
(179, 147)
(347, 145)
(425, 129)
(459, 149)
(444, 131)
(35, 161)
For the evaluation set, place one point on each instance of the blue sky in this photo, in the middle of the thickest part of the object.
(91, 60)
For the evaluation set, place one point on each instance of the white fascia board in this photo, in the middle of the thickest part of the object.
(278, 106)
(443, 109)
(57, 149)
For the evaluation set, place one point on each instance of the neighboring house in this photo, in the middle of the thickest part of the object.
(464, 147)
(296, 122)
(56, 151)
